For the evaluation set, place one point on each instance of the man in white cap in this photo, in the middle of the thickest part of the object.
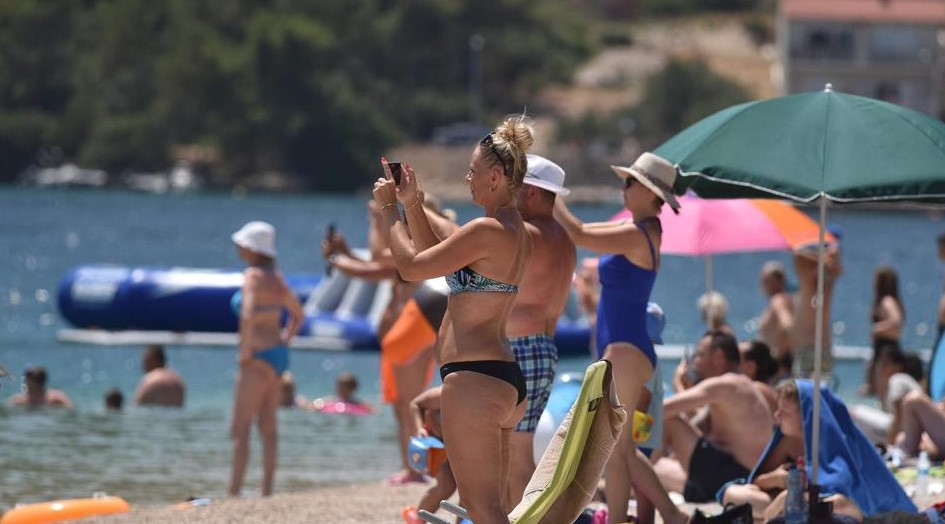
(541, 299)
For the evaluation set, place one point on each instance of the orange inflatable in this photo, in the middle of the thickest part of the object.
(62, 510)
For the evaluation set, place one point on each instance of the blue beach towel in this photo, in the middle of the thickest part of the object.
(849, 464)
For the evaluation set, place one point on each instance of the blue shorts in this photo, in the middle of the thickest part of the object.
(537, 355)
(277, 358)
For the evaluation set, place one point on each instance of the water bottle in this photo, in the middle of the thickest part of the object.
(922, 479)
(794, 507)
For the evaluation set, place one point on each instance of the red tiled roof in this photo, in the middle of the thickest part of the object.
(926, 12)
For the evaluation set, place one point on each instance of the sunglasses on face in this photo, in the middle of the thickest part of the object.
(487, 141)
(628, 182)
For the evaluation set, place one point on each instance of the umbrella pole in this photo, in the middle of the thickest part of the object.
(818, 339)
(708, 273)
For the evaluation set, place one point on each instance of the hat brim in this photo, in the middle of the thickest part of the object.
(548, 186)
(667, 196)
(244, 242)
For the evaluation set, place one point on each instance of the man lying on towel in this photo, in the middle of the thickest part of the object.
(852, 474)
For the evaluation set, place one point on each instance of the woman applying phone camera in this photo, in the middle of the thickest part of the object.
(484, 260)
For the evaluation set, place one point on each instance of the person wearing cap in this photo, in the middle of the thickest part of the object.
(542, 297)
(263, 349)
(37, 394)
(484, 390)
(739, 423)
(627, 273)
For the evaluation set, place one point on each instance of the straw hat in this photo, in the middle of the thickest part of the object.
(545, 174)
(258, 237)
(654, 172)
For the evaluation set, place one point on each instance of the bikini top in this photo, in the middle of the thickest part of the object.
(467, 280)
(236, 303)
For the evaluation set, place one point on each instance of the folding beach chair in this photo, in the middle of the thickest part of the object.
(567, 474)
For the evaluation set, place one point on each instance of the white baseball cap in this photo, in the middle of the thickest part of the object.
(258, 237)
(545, 174)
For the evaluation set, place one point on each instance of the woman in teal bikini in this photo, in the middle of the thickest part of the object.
(263, 349)
(484, 260)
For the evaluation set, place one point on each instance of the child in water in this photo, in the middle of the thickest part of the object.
(344, 400)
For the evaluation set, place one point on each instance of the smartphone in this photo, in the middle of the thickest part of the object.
(395, 171)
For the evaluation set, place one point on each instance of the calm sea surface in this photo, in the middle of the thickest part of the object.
(154, 456)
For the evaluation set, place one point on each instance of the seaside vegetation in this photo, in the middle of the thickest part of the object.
(312, 90)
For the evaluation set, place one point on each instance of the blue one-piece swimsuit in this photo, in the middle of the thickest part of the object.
(625, 290)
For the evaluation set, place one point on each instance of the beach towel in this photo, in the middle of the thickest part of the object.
(567, 474)
(849, 463)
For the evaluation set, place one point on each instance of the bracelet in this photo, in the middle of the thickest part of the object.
(416, 203)
(385, 206)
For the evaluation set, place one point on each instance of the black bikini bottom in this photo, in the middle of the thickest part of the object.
(508, 371)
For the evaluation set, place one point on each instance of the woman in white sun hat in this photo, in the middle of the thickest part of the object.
(263, 349)
(627, 270)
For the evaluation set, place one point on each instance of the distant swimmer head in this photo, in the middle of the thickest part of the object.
(257, 236)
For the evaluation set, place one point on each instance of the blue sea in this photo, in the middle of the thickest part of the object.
(156, 456)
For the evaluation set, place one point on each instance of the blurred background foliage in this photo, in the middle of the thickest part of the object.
(313, 89)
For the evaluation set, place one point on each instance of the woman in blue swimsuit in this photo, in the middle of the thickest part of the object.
(484, 260)
(627, 273)
(263, 349)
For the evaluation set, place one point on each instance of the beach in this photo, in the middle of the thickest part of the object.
(373, 502)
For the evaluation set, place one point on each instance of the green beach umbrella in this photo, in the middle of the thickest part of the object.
(822, 146)
(844, 147)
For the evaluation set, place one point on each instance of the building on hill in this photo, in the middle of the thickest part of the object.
(886, 49)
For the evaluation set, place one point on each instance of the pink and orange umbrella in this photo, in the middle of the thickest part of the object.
(714, 227)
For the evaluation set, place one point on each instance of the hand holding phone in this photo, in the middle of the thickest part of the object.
(395, 171)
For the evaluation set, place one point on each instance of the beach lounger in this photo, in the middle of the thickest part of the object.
(567, 475)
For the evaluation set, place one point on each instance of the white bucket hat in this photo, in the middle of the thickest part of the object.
(258, 237)
(545, 174)
(654, 172)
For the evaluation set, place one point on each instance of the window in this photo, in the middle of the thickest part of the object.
(822, 41)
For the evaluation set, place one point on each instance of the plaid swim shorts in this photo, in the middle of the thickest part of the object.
(537, 355)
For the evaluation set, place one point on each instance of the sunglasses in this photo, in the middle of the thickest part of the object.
(487, 141)
(628, 182)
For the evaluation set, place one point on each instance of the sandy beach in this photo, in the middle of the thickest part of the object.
(373, 502)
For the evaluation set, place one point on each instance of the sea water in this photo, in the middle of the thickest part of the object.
(159, 456)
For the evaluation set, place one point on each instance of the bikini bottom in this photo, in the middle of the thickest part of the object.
(277, 357)
(509, 371)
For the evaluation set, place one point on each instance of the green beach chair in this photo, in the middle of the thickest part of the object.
(568, 473)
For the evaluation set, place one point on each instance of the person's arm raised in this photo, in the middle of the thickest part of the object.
(600, 237)
(410, 194)
(368, 270)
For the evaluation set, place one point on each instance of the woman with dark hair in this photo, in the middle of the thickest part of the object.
(887, 314)
(758, 363)
(484, 260)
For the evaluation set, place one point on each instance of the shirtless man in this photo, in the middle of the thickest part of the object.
(775, 323)
(805, 310)
(160, 386)
(541, 299)
(37, 395)
(740, 420)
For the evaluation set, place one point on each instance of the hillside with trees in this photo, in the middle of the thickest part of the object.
(310, 90)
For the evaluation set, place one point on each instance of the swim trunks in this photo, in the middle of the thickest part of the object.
(537, 355)
(277, 358)
(414, 331)
(804, 360)
(709, 469)
(503, 370)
